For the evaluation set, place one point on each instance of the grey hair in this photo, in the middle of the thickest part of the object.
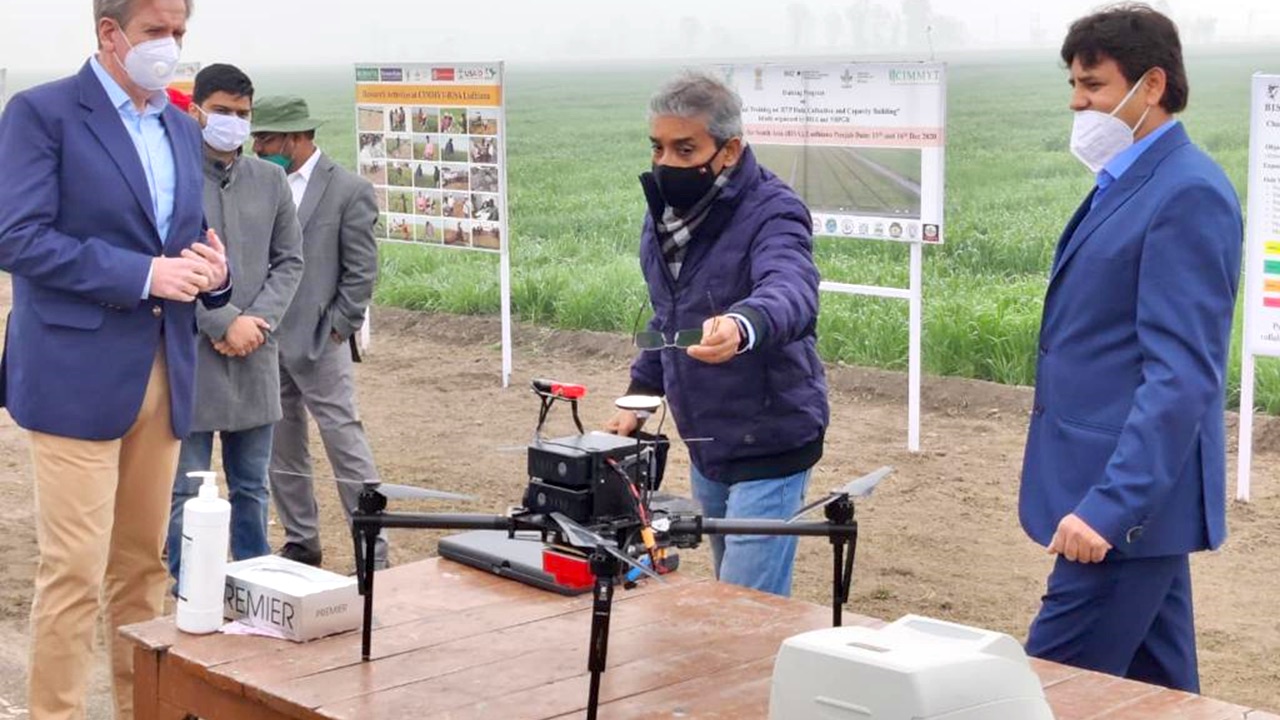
(699, 95)
(122, 10)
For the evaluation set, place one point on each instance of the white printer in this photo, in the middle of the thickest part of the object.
(914, 669)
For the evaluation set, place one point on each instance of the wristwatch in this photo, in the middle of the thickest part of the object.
(743, 337)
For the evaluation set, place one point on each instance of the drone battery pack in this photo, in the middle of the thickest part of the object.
(569, 569)
(546, 498)
(576, 461)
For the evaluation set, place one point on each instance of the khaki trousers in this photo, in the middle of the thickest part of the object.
(102, 509)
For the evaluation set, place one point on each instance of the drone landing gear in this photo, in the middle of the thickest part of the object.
(840, 513)
(365, 536)
(605, 567)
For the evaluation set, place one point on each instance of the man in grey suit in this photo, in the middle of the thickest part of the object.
(237, 369)
(337, 211)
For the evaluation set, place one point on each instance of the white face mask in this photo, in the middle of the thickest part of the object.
(224, 133)
(1097, 137)
(151, 65)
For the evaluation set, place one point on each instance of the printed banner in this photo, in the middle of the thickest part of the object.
(185, 79)
(430, 139)
(1262, 273)
(863, 143)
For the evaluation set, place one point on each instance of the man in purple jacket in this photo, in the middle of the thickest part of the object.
(727, 254)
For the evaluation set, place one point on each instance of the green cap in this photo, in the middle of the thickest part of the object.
(282, 114)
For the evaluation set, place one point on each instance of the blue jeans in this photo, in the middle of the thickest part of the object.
(762, 562)
(245, 458)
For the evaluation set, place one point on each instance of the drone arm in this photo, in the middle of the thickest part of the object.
(451, 521)
(719, 526)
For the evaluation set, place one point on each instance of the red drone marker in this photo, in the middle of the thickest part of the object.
(568, 391)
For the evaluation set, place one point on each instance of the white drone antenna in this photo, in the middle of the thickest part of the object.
(643, 406)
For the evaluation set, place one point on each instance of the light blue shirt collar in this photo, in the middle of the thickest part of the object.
(1121, 163)
(118, 97)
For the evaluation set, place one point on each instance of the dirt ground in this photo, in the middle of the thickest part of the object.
(939, 538)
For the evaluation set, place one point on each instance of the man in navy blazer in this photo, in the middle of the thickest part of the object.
(1124, 469)
(101, 228)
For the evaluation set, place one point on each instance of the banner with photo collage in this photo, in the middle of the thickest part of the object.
(184, 77)
(430, 137)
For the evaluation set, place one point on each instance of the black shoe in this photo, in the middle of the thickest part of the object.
(298, 553)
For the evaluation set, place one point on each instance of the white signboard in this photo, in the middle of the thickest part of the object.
(432, 138)
(1262, 284)
(1262, 259)
(863, 143)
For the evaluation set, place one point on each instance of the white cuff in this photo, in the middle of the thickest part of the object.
(751, 331)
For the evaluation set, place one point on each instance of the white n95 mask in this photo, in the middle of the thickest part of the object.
(1097, 137)
(153, 64)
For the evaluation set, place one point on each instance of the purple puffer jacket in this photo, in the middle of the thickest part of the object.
(766, 409)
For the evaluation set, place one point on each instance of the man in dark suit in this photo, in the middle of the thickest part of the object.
(1124, 469)
(101, 228)
(337, 211)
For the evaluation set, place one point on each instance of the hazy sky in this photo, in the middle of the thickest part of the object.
(56, 35)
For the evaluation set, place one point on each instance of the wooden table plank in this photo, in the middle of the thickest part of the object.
(403, 594)
(331, 669)
(641, 669)
(445, 652)
(733, 694)
(1091, 695)
(1051, 673)
(453, 642)
(1175, 705)
(721, 624)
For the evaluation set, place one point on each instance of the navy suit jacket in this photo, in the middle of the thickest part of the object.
(1127, 428)
(78, 233)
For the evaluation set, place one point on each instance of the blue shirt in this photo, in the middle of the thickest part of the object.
(151, 140)
(1121, 163)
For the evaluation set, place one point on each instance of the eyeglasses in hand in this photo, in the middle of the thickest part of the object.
(656, 340)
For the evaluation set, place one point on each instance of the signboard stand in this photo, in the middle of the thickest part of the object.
(432, 139)
(864, 145)
(1262, 258)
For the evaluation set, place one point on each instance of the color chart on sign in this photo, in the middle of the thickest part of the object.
(1262, 274)
(430, 139)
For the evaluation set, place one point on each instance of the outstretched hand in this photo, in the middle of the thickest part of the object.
(720, 341)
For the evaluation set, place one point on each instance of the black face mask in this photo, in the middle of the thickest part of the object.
(683, 187)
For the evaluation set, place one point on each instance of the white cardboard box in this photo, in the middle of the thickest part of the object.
(299, 601)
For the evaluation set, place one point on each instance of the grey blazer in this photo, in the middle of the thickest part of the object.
(251, 207)
(337, 214)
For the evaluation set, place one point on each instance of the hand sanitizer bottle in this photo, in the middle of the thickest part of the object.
(206, 529)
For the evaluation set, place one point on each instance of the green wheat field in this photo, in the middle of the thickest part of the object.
(577, 140)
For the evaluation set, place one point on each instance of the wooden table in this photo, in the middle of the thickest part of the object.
(453, 642)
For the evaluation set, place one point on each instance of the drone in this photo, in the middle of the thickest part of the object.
(591, 496)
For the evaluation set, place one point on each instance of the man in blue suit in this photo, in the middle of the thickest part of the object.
(101, 227)
(1124, 469)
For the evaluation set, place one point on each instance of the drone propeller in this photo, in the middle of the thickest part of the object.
(583, 539)
(859, 487)
(391, 491)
